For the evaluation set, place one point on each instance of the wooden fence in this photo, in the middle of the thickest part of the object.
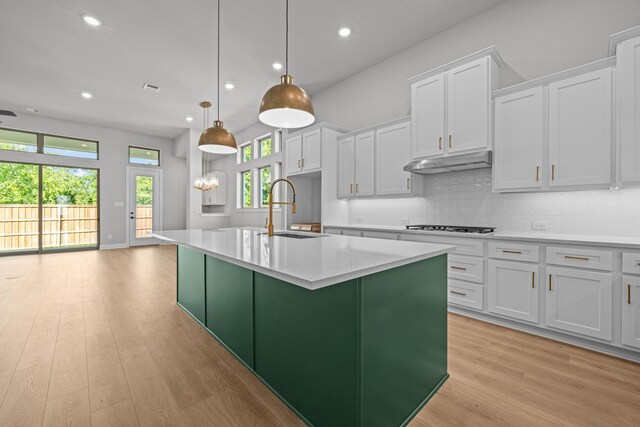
(144, 220)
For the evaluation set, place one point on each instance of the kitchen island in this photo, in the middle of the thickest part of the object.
(347, 331)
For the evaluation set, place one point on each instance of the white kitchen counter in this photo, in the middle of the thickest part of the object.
(309, 263)
(609, 241)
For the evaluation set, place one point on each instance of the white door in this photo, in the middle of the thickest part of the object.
(518, 140)
(629, 101)
(513, 289)
(144, 207)
(631, 311)
(392, 154)
(312, 151)
(346, 174)
(427, 117)
(579, 301)
(365, 164)
(294, 155)
(580, 130)
(468, 106)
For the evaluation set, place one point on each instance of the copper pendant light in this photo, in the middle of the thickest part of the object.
(286, 105)
(217, 139)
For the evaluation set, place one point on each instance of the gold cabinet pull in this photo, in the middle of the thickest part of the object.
(455, 267)
(458, 293)
(302, 162)
(299, 167)
(628, 294)
(533, 279)
(408, 184)
(351, 188)
(357, 188)
(440, 143)
(549, 282)
(537, 173)
(553, 172)
(579, 258)
(450, 140)
(509, 251)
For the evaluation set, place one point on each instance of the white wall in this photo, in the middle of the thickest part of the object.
(112, 162)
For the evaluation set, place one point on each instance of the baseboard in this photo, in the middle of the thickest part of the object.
(114, 246)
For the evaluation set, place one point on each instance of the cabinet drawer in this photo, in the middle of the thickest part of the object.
(471, 247)
(380, 235)
(514, 251)
(578, 257)
(631, 262)
(332, 231)
(465, 294)
(466, 268)
(355, 233)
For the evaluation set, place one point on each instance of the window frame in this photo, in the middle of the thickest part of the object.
(259, 172)
(241, 189)
(40, 144)
(144, 148)
(259, 141)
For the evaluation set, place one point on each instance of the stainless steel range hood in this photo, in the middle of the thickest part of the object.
(452, 163)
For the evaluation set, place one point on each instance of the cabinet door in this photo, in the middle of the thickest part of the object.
(191, 293)
(392, 154)
(365, 164)
(312, 150)
(427, 117)
(580, 301)
(580, 130)
(513, 289)
(631, 311)
(346, 173)
(629, 101)
(468, 106)
(518, 140)
(220, 192)
(294, 155)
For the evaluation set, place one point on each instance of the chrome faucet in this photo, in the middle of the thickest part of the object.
(271, 203)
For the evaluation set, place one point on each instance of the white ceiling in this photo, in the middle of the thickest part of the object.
(49, 55)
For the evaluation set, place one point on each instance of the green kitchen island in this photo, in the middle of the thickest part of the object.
(347, 331)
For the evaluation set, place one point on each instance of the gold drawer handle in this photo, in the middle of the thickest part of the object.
(628, 294)
(537, 173)
(440, 143)
(549, 282)
(408, 184)
(508, 251)
(351, 188)
(357, 191)
(579, 258)
(533, 279)
(450, 142)
(455, 267)
(459, 293)
(553, 172)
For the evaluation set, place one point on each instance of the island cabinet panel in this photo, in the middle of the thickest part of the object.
(306, 347)
(404, 340)
(191, 282)
(229, 304)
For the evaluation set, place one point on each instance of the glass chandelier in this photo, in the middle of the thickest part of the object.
(205, 182)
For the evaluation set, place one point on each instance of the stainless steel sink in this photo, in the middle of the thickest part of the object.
(294, 235)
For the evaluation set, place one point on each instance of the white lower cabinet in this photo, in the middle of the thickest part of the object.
(465, 294)
(631, 311)
(580, 301)
(380, 235)
(513, 289)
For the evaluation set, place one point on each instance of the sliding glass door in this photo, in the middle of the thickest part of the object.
(47, 208)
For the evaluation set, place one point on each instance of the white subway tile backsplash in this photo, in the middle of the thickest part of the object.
(465, 198)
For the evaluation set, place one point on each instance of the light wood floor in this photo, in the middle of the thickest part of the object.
(95, 338)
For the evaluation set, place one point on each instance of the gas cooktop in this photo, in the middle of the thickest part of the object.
(452, 228)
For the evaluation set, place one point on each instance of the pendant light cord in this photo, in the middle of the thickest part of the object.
(286, 55)
(218, 60)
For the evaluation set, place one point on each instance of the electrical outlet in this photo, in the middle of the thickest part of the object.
(539, 225)
(404, 221)
(109, 236)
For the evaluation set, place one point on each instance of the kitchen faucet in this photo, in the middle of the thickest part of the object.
(271, 203)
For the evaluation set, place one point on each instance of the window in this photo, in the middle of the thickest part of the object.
(18, 141)
(144, 156)
(265, 146)
(265, 184)
(246, 153)
(60, 146)
(246, 189)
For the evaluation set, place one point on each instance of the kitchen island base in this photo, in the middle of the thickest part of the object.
(370, 351)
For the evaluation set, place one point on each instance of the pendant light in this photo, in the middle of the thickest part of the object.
(217, 139)
(205, 182)
(286, 105)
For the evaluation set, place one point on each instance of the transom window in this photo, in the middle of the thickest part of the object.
(32, 142)
(144, 156)
(265, 146)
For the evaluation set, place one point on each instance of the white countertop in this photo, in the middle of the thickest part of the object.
(309, 263)
(610, 241)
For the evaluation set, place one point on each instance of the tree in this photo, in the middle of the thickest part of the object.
(144, 190)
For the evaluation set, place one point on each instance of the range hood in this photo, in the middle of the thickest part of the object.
(452, 163)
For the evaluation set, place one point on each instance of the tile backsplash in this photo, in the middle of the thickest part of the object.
(465, 198)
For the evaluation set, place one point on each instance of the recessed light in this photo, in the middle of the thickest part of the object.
(344, 32)
(148, 152)
(86, 95)
(92, 20)
(277, 66)
(189, 119)
(84, 145)
(229, 86)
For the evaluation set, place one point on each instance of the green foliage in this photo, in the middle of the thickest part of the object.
(246, 189)
(18, 184)
(265, 184)
(265, 147)
(144, 190)
(246, 153)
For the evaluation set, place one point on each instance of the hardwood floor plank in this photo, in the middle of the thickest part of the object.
(121, 414)
(107, 383)
(26, 398)
(70, 409)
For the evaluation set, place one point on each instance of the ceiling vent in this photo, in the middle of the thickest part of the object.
(30, 109)
(7, 113)
(151, 88)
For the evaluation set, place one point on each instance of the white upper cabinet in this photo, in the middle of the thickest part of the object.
(294, 155)
(580, 126)
(468, 107)
(304, 151)
(629, 108)
(518, 140)
(346, 167)
(364, 164)
(450, 106)
(427, 117)
(311, 151)
(393, 152)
